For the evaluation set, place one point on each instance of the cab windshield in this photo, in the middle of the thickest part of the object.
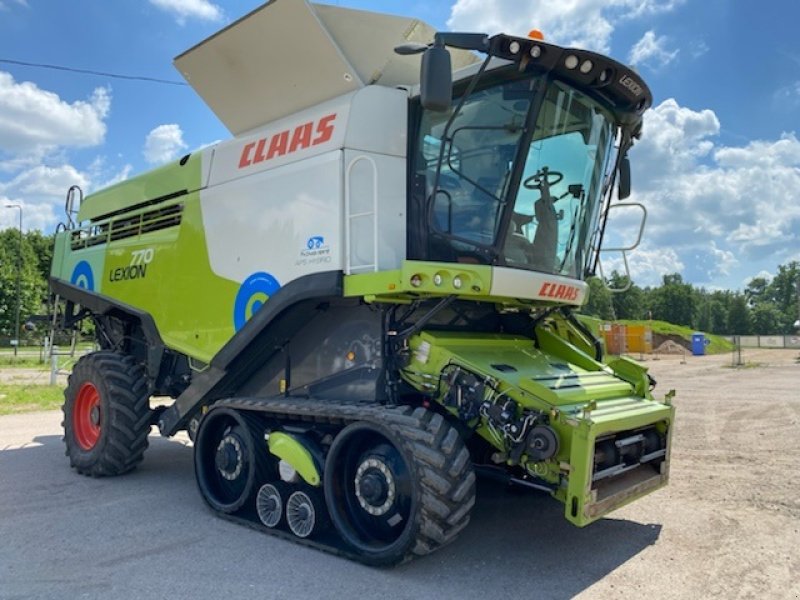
(550, 178)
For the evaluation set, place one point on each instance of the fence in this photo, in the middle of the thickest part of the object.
(765, 341)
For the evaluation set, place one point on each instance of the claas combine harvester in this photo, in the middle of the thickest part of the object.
(366, 296)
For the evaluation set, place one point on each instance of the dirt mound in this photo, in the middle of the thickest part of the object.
(670, 347)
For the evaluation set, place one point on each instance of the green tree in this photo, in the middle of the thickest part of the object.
(674, 301)
(767, 319)
(33, 285)
(774, 302)
(739, 319)
(599, 304)
(757, 290)
(630, 303)
(42, 246)
(782, 290)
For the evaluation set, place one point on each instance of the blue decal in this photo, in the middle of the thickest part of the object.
(252, 295)
(82, 276)
(315, 242)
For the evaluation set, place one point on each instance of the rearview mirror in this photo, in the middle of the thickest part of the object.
(436, 79)
(624, 189)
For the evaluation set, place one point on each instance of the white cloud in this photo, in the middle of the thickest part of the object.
(34, 215)
(698, 48)
(647, 264)
(788, 94)
(677, 135)
(196, 9)
(44, 181)
(41, 191)
(163, 144)
(5, 6)
(114, 179)
(724, 260)
(581, 23)
(715, 206)
(651, 51)
(33, 120)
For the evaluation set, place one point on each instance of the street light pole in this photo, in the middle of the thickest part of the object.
(19, 275)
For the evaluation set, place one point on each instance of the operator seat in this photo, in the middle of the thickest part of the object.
(545, 240)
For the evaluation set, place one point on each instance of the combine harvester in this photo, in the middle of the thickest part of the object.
(366, 296)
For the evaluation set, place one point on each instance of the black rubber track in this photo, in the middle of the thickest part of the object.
(440, 465)
(125, 414)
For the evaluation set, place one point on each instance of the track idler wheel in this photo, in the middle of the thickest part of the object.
(230, 459)
(398, 486)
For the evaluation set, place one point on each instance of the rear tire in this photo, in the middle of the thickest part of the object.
(106, 414)
(400, 486)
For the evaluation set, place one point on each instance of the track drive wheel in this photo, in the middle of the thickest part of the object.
(231, 459)
(399, 486)
(106, 414)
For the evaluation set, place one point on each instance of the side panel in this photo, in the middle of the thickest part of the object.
(167, 274)
(283, 224)
(298, 137)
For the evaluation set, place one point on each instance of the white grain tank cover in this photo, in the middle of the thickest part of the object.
(289, 55)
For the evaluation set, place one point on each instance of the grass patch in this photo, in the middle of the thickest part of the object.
(717, 344)
(16, 398)
(25, 362)
(746, 365)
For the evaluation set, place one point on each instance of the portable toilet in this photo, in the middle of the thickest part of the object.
(698, 344)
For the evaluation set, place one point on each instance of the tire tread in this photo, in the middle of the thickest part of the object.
(122, 445)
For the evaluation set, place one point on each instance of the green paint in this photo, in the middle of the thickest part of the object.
(584, 398)
(169, 179)
(476, 281)
(165, 273)
(289, 448)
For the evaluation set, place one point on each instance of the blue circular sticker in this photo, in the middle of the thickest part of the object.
(252, 295)
(82, 276)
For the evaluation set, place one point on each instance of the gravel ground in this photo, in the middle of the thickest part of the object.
(727, 526)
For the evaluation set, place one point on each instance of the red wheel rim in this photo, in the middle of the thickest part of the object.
(86, 416)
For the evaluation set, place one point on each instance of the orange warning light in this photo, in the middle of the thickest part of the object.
(535, 34)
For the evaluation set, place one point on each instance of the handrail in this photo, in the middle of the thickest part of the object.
(349, 217)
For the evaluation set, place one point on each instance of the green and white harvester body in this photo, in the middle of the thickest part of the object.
(366, 296)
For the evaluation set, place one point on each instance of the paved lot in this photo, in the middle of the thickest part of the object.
(728, 526)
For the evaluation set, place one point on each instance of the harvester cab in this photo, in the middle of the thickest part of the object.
(367, 295)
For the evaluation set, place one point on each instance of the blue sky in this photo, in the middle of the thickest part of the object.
(718, 167)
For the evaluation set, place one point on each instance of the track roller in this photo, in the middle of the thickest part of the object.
(269, 503)
(305, 513)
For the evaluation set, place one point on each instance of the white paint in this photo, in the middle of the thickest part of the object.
(228, 155)
(517, 283)
(264, 222)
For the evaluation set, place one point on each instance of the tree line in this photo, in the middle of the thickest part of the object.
(37, 254)
(765, 307)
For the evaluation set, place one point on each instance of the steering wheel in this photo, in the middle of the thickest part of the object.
(543, 177)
